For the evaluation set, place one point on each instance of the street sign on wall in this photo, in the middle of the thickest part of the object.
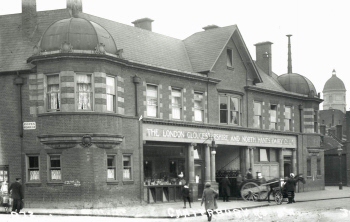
(29, 125)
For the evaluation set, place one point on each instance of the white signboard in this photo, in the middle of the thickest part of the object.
(29, 125)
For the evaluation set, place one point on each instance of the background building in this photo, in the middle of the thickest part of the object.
(97, 113)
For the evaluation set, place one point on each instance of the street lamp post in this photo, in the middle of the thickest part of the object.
(340, 176)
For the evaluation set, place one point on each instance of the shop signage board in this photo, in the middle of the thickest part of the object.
(200, 135)
(29, 125)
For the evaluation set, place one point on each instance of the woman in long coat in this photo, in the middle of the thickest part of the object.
(209, 198)
(290, 187)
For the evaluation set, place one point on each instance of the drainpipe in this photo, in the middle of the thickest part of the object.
(18, 81)
(136, 81)
(301, 113)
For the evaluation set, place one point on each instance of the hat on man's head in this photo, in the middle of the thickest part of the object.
(250, 169)
(207, 184)
(181, 175)
(18, 178)
(291, 175)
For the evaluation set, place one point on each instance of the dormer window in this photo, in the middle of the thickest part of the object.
(229, 58)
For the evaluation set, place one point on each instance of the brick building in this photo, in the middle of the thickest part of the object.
(96, 113)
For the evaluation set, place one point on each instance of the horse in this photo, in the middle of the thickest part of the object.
(274, 183)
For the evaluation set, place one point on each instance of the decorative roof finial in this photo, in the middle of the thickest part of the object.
(289, 55)
(333, 72)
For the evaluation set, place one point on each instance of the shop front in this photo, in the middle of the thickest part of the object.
(174, 155)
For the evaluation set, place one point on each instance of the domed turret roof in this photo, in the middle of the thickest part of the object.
(77, 34)
(334, 83)
(297, 83)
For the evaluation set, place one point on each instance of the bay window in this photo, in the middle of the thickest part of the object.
(110, 93)
(84, 92)
(53, 92)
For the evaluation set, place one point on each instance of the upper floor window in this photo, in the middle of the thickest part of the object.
(315, 121)
(176, 103)
(230, 110)
(257, 115)
(127, 167)
(229, 58)
(53, 92)
(273, 116)
(198, 107)
(152, 100)
(55, 168)
(288, 118)
(84, 92)
(110, 93)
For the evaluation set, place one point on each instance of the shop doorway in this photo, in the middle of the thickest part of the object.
(198, 172)
(287, 169)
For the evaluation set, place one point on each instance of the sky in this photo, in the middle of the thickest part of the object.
(320, 29)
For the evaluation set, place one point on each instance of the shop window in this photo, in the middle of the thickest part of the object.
(112, 167)
(198, 107)
(152, 100)
(127, 167)
(55, 171)
(288, 118)
(316, 121)
(229, 58)
(33, 170)
(273, 117)
(84, 92)
(308, 167)
(53, 93)
(4, 174)
(230, 109)
(110, 94)
(147, 169)
(264, 155)
(257, 115)
(176, 103)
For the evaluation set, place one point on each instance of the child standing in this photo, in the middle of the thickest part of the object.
(186, 195)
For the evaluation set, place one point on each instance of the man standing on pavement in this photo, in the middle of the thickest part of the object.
(17, 195)
(225, 188)
(290, 187)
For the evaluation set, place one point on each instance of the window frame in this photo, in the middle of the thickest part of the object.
(114, 166)
(49, 167)
(156, 100)
(315, 121)
(114, 96)
(197, 108)
(267, 151)
(289, 119)
(229, 59)
(276, 117)
(176, 106)
(92, 93)
(308, 167)
(259, 115)
(28, 168)
(130, 155)
(228, 110)
(2, 178)
(47, 104)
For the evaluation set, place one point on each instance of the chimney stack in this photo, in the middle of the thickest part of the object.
(323, 128)
(339, 131)
(208, 27)
(74, 7)
(264, 56)
(29, 18)
(289, 55)
(144, 23)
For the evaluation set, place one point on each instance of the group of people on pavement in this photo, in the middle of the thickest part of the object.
(16, 191)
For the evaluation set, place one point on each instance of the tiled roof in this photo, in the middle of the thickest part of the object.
(269, 82)
(205, 47)
(15, 49)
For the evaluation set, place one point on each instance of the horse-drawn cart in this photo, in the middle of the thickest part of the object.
(256, 189)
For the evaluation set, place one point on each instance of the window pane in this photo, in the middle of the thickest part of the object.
(152, 91)
(257, 108)
(110, 85)
(152, 100)
(110, 173)
(263, 155)
(223, 116)
(286, 124)
(234, 117)
(127, 173)
(55, 161)
(273, 116)
(33, 162)
(126, 161)
(55, 174)
(229, 57)
(257, 122)
(198, 115)
(223, 102)
(176, 113)
(234, 104)
(34, 175)
(152, 111)
(53, 95)
(288, 113)
(84, 92)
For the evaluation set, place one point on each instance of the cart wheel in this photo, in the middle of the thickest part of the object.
(278, 197)
(250, 191)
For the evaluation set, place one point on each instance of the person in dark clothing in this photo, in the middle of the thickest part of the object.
(17, 195)
(225, 188)
(290, 188)
(249, 174)
(186, 195)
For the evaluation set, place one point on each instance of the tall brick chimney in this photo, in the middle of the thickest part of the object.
(29, 18)
(339, 131)
(264, 56)
(144, 23)
(74, 7)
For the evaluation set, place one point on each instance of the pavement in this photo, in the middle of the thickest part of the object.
(175, 209)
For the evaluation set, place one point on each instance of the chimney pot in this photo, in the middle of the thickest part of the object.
(144, 23)
(29, 18)
(74, 7)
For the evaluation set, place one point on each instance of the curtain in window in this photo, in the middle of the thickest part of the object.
(53, 95)
(110, 90)
(152, 100)
(84, 92)
(55, 174)
(34, 175)
(110, 173)
(176, 104)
